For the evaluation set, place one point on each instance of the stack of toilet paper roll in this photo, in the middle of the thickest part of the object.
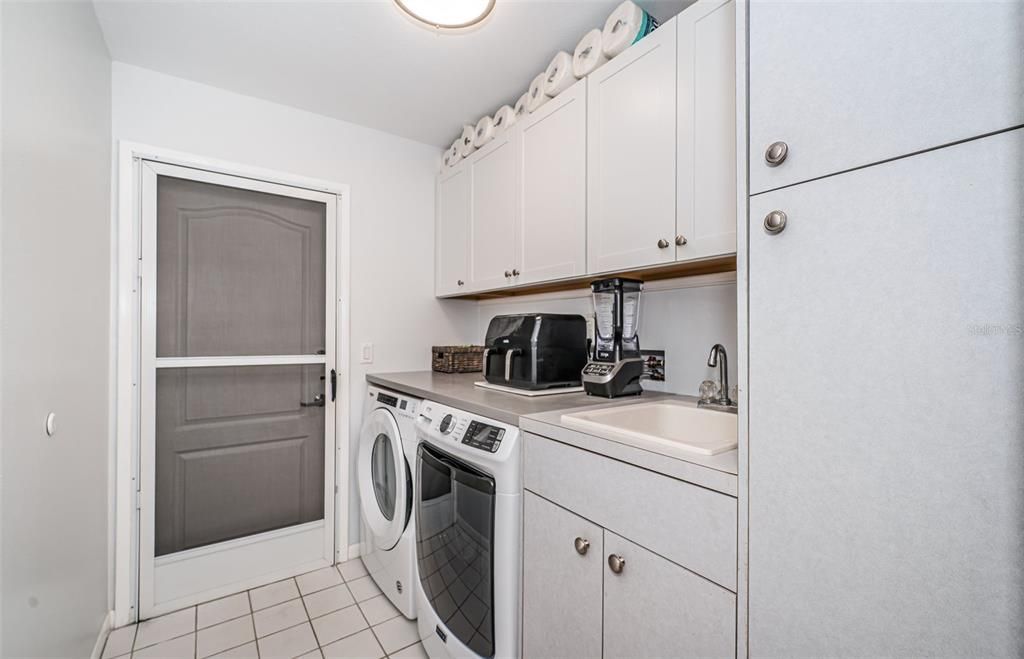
(624, 27)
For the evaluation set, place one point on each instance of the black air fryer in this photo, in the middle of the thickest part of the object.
(535, 351)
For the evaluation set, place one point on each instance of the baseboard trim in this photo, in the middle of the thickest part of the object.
(354, 551)
(101, 639)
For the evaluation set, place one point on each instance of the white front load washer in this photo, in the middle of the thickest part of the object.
(468, 510)
(384, 459)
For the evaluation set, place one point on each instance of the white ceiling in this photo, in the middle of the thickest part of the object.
(360, 61)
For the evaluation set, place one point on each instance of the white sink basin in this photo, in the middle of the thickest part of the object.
(662, 426)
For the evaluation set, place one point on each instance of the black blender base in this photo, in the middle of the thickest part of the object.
(625, 381)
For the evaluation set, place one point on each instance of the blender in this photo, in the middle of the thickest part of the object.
(615, 364)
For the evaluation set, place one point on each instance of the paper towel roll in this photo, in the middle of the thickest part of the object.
(454, 155)
(520, 106)
(484, 132)
(558, 77)
(536, 96)
(627, 25)
(446, 158)
(504, 118)
(588, 55)
(466, 141)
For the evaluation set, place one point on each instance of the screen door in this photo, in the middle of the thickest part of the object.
(238, 384)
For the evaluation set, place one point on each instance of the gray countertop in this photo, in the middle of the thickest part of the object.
(542, 415)
(458, 390)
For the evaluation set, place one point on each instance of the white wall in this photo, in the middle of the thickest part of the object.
(392, 205)
(54, 335)
(684, 320)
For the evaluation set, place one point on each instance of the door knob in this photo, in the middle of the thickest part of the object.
(582, 545)
(662, 243)
(318, 401)
(776, 153)
(775, 222)
(616, 563)
(680, 240)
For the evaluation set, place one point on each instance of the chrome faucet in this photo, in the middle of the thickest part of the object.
(718, 358)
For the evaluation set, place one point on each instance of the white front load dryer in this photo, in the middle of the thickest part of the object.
(384, 459)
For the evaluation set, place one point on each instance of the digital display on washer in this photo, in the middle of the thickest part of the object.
(484, 437)
(386, 399)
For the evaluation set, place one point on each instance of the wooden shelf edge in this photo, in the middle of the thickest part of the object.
(651, 273)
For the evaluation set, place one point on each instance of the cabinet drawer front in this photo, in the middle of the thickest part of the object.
(654, 608)
(690, 525)
(561, 586)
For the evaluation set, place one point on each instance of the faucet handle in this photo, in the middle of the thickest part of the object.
(708, 390)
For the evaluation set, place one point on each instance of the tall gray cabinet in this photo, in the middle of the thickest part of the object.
(886, 330)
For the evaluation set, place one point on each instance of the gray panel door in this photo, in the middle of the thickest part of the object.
(239, 449)
(886, 389)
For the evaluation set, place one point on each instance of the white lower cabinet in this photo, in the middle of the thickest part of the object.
(562, 576)
(590, 592)
(654, 608)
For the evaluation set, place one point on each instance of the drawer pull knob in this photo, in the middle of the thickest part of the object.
(582, 545)
(662, 244)
(616, 563)
(776, 153)
(775, 222)
(680, 240)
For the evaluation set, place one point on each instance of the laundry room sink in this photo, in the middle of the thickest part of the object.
(661, 426)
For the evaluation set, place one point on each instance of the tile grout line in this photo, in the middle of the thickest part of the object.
(195, 632)
(309, 620)
(252, 619)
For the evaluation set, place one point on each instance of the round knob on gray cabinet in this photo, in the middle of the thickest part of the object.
(776, 153)
(508, 273)
(662, 243)
(775, 222)
(582, 545)
(616, 563)
(680, 240)
(462, 283)
(515, 273)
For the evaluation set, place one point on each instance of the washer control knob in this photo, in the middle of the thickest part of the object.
(446, 424)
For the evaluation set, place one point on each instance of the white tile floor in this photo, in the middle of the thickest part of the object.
(333, 613)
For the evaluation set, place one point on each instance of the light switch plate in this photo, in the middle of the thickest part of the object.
(366, 353)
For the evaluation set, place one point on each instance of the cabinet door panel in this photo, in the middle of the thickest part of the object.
(493, 216)
(553, 223)
(561, 587)
(631, 155)
(451, 238)
(706, 197)
(654, 608)
(886, 387)
(848, 84)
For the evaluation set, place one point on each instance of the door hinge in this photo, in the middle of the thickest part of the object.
(138, 500)
(334, 385)
(335, 489)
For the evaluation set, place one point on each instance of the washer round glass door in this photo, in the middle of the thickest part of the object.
(382, 478)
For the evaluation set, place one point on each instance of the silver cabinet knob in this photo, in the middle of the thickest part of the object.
(515, 273)
(582, 545)
(462, 283)
(776, 153)
(508, 273)
(775, 222)
(662, 243)
(680, 240)
(616, 563)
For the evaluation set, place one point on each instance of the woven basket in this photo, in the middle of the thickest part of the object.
(457, 359)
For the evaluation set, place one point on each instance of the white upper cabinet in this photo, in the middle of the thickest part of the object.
(706, 192)
(451, 236)
(552, 232)
(631, 156)
(493, 214)
(846, 85)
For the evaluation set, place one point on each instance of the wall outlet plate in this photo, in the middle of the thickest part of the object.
(366, 353)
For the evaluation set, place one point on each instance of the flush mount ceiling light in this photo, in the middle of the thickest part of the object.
(447, 14)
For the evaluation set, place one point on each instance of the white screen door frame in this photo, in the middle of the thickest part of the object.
(183, 578)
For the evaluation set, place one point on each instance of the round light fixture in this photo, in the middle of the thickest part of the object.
(447, 14)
